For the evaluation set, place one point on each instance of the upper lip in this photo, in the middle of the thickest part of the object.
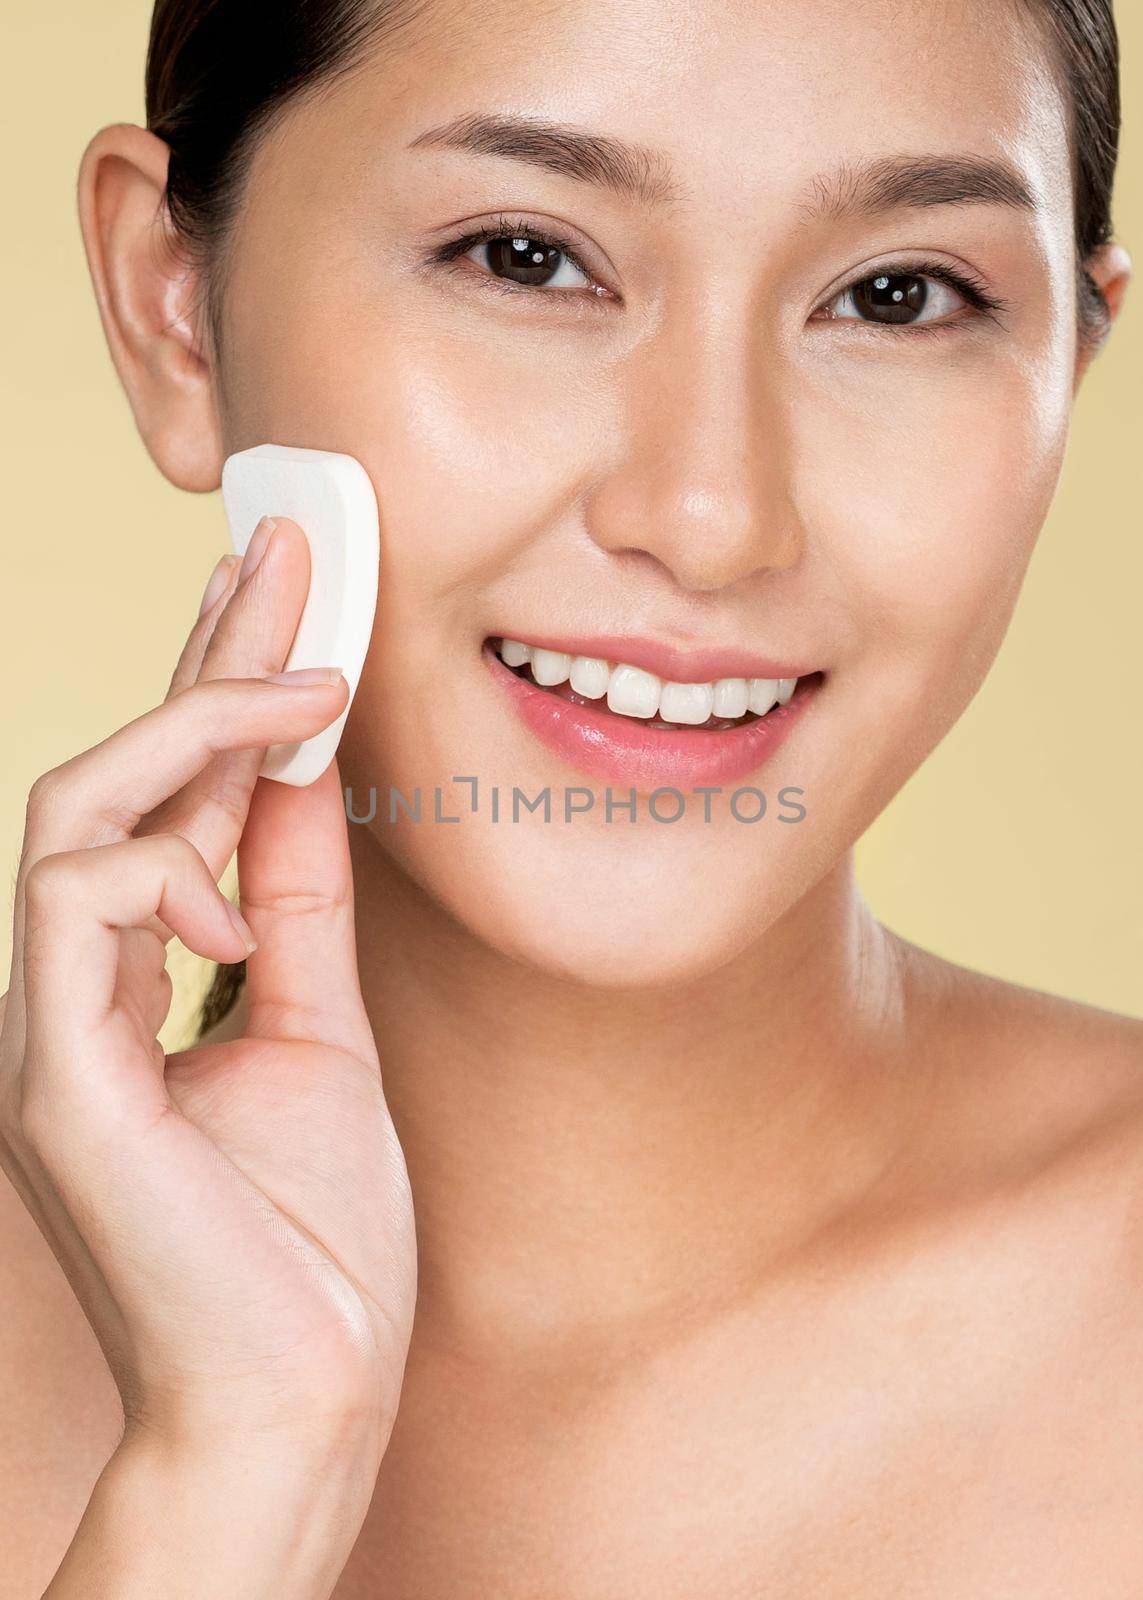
(671, 663)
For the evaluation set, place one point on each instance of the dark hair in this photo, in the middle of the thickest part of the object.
(220, 71)
(1087, 54)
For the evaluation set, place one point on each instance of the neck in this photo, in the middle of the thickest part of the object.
(583, 1161)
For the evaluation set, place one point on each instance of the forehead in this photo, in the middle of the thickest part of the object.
(742, 97)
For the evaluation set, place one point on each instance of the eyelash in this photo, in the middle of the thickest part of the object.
(971, 288)
(507, 227)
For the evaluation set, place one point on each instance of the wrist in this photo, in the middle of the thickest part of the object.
(231, 1518)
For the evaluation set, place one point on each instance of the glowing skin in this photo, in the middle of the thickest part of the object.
(693, 459)
(708, 1168)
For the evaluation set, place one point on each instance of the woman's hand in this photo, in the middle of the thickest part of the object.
(235, 1219)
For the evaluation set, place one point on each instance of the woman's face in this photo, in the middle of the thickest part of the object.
(699, 430)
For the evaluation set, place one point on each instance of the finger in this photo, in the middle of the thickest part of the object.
(98, 796)
(137, 1197)
(219, 588)
(296, 892)
(143, 987)
(77, 903)
(256, 627)
(250, 635)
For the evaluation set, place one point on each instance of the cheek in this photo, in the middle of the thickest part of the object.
(470, 468)
(926, 495)
(475, 445)
(923, 491)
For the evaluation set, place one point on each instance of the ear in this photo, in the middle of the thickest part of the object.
(1109, 269)
(148, 302)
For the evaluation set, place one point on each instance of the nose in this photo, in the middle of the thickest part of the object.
(703, 480)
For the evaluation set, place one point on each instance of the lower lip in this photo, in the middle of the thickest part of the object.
(620, 749)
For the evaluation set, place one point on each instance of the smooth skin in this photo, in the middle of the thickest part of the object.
(254, 1318)
(757, 1251)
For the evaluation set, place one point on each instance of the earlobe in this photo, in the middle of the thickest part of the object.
(1106, 274)
(1110, 270)
(148, 300)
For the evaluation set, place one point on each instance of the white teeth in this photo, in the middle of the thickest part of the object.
(633, 692)
(763, 693)
(513, 653)
(686, 702)
(590, 676)
(731, 697)
(550, 667)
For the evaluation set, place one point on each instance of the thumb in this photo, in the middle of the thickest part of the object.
(296, 891)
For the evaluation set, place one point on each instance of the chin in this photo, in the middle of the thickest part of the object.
(605, 962)
(637, 923)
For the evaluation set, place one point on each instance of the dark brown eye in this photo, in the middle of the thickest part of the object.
(888, 299)
(524, 261)
(891, 297)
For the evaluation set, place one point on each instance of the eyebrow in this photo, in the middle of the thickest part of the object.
(871, 187)
(632, 171)
(641, 173)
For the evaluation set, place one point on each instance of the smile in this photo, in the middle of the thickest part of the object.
(629, 691)
(617, 719)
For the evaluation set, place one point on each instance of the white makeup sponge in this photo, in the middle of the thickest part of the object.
(331, 499)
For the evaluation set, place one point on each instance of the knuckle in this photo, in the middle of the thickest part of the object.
(53, 879)
(47, 791)
(176, 856)
(55, 803)
(177, 849)
(294, 904)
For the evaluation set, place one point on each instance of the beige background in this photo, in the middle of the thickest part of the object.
(1016, 848)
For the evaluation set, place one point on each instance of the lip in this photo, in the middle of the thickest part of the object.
(620, 749)
(670, 662)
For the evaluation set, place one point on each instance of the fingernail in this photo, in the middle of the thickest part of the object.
(216, 583)
(242, 928)
(257, 547)
(304, 675)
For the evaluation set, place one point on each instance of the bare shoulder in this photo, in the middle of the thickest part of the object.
(1037, 1094)
(1012, 1030)
(1023, 1190)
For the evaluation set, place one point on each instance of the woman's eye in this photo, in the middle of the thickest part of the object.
(528, 262)
(896, 297)
(533, 261)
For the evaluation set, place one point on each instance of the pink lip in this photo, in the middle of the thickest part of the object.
(624, 751)
(670, 663)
